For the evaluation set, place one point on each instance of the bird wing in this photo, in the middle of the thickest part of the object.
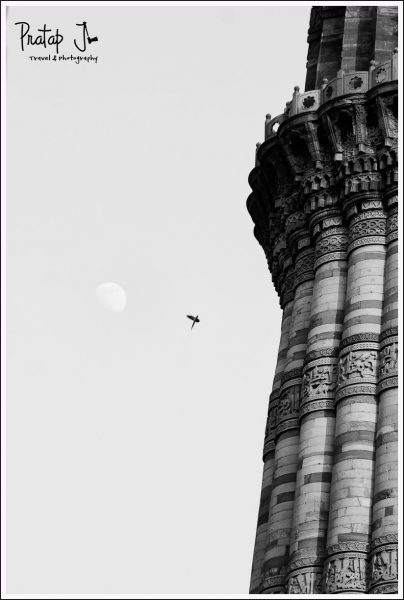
(191, 317)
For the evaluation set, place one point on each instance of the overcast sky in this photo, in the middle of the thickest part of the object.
(134, 444)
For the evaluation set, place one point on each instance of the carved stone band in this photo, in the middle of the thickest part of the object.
(366, 241)
(388, 358)
(319, 379)
(331, 243)
(355, 546)
(391, 382)
(305, 557)
(358, 364)
(368, 390)
(345, 573)
(384, 565)
(315, 354)
(275, 583)
(305, 581)
(331, 256)
(292, 423)
(359, 338)
(315, 405)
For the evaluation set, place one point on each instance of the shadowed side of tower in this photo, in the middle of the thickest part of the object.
(324, 204)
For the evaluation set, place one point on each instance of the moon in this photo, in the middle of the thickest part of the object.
(111, 296)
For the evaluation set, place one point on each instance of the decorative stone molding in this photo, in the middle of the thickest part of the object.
(314, 354)
(292, 377)
(387, 333)
(368, 390)
(391, 538)
(304, 270)
(358, 338)
(391, 382)
(304, 557)
(352, 546)
(291, 423)
(273, 583)
(366, 241)
(329, 257)
(315, 405)
(387, 588)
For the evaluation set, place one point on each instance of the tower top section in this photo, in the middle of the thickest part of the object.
(348, 38)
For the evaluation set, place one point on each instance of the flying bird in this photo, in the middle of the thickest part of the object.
(194, 319)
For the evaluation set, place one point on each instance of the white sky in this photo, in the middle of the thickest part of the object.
(134, 444)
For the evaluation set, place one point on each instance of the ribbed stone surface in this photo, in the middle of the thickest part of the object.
(316, 447)
(287, 442)
(385, 492)
(324, 204)
(262, 538)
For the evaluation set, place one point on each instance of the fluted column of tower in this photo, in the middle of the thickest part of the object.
(280, 519)
(384, 553)
(317, 415)
(280, 256)
(349, 528)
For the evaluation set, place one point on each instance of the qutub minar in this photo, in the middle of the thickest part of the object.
(324, 204)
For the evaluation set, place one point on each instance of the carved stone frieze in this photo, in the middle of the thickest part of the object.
(367, 227)
(388, 358)
(305, 581)
(345, 573)
(319, 380)
(332, 243)
(358, 364)
(392, 227)
(288, 404)
(384, 565)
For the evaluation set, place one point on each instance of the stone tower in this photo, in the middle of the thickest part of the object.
(324, 204)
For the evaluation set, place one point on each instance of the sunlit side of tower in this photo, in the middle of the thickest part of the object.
(324, 204)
